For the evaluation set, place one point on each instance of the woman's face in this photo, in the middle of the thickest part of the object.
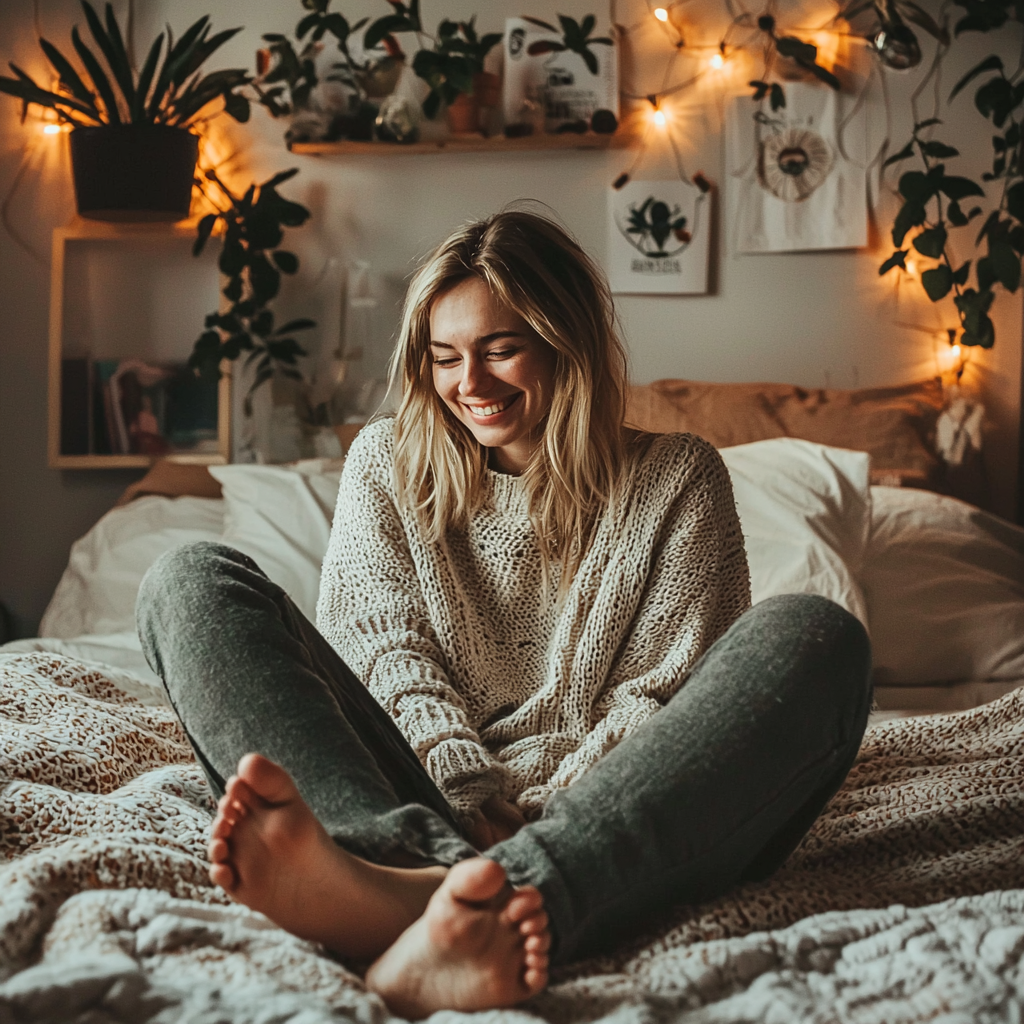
(492, 370)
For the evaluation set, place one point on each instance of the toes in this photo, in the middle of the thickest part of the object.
(538, 943)
(535, 978)
(523, 904)
(218, 851)
(476, 880)
(224, 876)
(222, 825)
(537, 924)
(266, 779)
(536, 961)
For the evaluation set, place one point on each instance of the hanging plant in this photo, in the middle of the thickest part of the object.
(931, 199)
(253, 228)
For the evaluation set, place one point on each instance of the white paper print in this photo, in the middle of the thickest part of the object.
(796, 183)
(658, 238)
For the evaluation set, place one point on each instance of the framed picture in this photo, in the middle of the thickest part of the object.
(797, 175)
(658, 234)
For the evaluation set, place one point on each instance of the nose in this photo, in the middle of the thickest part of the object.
(476, 377)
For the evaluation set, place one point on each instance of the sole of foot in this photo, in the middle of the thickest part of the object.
(268, 851)
(479, 945)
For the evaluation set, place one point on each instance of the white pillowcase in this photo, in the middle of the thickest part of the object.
(944, 583)
(96, 593)
(280, 516)
(805, 512)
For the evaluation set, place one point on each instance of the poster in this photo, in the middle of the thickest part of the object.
(658, 234)
(797, 175)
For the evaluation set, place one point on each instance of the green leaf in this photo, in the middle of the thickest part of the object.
(986, 273)
(541, 24)
(69, 77)
(823, 74)
(961, 273)
(927, 123)
(897, 259)
(302, 324)
(1015, 200)
(959, 188)
(911, 214)
(382, 27)
(956, 216)
(992, 63)
(120, 64)
(916, 186)
(995, 100)
(973, 308)
(797, 49)
(263, 278)
(937, 282)
(287, 262)
(29, 92)
(108, 50)
(931, 242)
(99, 78)
(146, 79)
(760, 89)
(203, 231)
(232, 258)
(939, 150)
(778, 97)
(590, 60)
(904, 154)
(1006, 264)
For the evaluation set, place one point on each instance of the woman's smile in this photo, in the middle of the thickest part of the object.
(492, 370)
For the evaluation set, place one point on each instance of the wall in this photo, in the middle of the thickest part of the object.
(811, 319)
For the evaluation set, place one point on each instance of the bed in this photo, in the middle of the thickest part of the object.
(904, 903)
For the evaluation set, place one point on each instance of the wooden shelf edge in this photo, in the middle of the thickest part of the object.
(131, 461)
(472, 144)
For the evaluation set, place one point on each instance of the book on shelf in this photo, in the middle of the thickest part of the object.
(130, 406)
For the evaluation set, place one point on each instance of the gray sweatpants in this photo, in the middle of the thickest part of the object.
(718, 787)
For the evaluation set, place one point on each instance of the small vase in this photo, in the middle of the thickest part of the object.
(464, 114)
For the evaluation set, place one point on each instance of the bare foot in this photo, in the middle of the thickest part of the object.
(479, 945)
(268, 851)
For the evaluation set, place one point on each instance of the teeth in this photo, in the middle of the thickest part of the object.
(489, 410)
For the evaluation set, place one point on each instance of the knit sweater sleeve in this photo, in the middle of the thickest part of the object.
(371, 609)
(697, 585)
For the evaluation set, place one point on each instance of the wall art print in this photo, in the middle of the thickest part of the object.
(797, 174)
(658, 235)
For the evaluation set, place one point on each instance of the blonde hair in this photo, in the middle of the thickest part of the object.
(534, 268)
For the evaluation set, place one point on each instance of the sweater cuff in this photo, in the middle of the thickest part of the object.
(466, 774)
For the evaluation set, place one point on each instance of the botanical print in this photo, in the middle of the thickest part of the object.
(797, 173)
(658, 238)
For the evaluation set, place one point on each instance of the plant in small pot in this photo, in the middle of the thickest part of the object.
(133, 152)
(451, 63)
(288, 83)
(250, 260)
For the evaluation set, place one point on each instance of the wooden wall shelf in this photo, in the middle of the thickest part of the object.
(91, 231)
(622, 139)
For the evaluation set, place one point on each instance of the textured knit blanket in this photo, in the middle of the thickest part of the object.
(904, 903)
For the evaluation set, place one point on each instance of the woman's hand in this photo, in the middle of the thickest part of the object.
(495, 820)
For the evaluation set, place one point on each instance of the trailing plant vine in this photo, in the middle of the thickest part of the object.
(250, 259)
(931, 198)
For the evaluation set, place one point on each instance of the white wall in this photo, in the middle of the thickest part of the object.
(811, 319)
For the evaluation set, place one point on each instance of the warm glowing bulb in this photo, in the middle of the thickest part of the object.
(659, 118)
(661, 14)
(911, 268)
(956, 351)
(51, 129)
(717, 61)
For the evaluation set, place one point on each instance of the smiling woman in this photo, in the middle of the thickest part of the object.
(537, 710)
(493, 370)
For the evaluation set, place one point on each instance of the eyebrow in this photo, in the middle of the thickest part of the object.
(495, 336)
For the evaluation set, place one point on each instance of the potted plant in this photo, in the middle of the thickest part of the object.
(250, 260)
(133, 153)
(452, 62)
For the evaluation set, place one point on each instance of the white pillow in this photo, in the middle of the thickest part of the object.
(96, 593)
(280, 516)
(944, 583)
(805, 513)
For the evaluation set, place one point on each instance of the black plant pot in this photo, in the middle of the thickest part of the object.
(133, 172)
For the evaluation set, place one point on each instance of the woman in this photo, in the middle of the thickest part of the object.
(516, 590)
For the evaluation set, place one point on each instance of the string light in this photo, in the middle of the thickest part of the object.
(51, 129)
(659, 118)
(717, 61)
(661, 14)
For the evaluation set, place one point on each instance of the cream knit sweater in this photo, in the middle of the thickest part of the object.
(499, 689)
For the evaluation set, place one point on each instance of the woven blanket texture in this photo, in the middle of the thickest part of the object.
(904, 903)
